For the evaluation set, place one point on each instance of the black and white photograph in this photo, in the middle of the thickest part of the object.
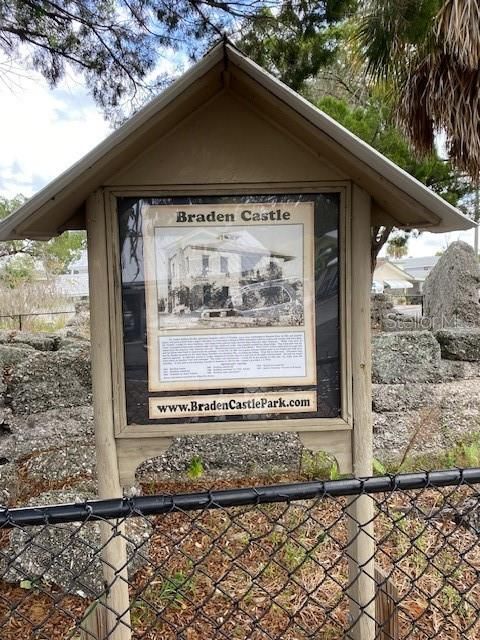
(229, 294)
(229, 277)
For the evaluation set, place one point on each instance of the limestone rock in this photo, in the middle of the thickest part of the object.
(58, 428)
(40, 341)
(228, 454)
(400, 397)
(50, 380)
(68, 555)
(14, 354)
(460, 344)
(8, 483)
(447, 413)
(451, 289)
(405, 357)
(381, 306)
(62, 465)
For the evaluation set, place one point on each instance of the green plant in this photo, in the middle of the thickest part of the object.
(319, 466)
(174, 588)
(378, 467)
(169, 591)
(292, 555)
(195, 468)
(471, 454)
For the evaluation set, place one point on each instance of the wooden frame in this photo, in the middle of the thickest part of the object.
(140, 442)
(122, 430)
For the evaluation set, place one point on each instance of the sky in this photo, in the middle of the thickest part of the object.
(44, 131)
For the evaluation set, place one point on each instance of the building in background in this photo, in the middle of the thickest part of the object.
(389, 277)
(74, 284)
(418, 269)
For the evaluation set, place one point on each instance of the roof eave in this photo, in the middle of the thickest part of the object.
(434, 213)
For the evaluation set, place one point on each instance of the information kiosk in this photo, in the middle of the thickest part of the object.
(229, 231)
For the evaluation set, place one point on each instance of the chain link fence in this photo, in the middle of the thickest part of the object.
(265, 563)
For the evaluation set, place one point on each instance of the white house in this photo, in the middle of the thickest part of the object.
(204, 261)
(418, 269)
(391, 278)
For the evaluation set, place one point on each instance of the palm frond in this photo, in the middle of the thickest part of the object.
(458, 29)
(441, 94)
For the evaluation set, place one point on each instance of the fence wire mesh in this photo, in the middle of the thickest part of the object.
(266, 563)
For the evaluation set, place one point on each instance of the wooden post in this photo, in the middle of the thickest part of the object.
(94, 627)
(116, 612)
(386, 609)
(361, 549)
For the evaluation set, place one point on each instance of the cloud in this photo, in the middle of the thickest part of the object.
(428, 244)
(44, 131)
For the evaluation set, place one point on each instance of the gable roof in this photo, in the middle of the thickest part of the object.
(384, 264)
(398, 198)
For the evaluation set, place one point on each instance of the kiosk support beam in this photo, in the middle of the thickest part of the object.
(361, 547)
(115, 607)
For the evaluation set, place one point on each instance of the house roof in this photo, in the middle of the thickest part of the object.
(417, 263)
(391, 271)
(398, 198)
(418, 268)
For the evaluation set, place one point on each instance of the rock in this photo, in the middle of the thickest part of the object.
(13, 355)
(229, 454)
(39, 341)
(70, 343)
(449, 413)
(451, 289)
(62, 465)
(381, 306)
(68, 555)
(400, 397)
(405, 357)
(50, 380)
(460, 344)
(57, 428)
(8, 483)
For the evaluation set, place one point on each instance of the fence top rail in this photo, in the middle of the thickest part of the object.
(161, 504)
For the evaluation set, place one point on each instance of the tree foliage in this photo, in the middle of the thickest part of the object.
(19, 258)
(117, 45)
(430, 51)
(373, 122)
(397, 246)
(297, 39)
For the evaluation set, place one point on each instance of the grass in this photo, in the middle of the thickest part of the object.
(464, 454)
(195, 468)
(30, 298)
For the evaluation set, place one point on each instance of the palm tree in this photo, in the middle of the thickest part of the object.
(397, 247)
(429, 51)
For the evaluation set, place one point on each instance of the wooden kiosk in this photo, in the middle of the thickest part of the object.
(229, 229)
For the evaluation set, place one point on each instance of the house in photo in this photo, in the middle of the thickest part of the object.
(208, 269)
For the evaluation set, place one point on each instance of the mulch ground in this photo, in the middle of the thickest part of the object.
(278, 572)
